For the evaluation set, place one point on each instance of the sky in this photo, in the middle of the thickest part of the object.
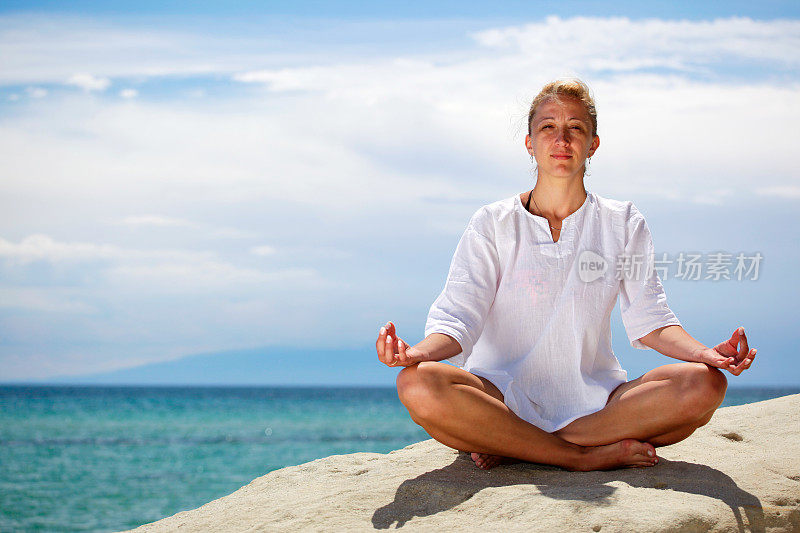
(182, 178)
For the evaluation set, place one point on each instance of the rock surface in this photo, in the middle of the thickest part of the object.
(740, 472)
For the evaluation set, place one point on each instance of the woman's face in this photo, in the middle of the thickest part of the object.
(561, 137)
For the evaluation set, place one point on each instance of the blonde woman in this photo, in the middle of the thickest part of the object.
(525, 318)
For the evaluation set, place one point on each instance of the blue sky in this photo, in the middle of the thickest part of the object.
(451, 9)
(182, 180)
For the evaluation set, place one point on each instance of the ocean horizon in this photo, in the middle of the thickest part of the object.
(109, 458)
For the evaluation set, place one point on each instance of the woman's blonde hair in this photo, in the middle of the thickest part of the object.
(566, 87)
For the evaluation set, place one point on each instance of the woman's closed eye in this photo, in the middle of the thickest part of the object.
(580, 128)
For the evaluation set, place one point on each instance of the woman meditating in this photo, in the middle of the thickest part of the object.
(525, 317)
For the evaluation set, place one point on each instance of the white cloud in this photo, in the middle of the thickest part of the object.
(88, 82)
(232, 233)
(786, 191)
(41, 247)
(262, 250)
(158, 221)
(555, 46)
(713, 198)
(161, 221)
(48, 49)
(36, 92)
(49, 300)
(453, 117)
(161, 271)
(45, 48)
(205, 276)
(13, 97)
(334, 154)
(622, 44)
(129, 93)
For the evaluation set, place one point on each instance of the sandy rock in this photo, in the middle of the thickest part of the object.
(740, 472)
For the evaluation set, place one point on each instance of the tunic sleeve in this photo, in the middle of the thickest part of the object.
(643, 303)
(461, 308)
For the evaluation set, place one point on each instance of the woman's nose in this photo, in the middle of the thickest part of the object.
(563, 136)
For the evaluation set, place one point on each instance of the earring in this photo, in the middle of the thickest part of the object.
(586, 168)
(535, 169)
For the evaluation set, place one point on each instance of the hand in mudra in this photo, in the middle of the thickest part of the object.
(733, 355)
(394, 351)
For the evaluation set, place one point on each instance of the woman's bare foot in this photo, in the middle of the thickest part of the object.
(486, 461)
(627, 453)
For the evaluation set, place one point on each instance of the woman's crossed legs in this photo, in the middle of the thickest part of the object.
(466, 412)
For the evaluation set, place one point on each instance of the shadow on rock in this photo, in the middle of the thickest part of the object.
(445, 488)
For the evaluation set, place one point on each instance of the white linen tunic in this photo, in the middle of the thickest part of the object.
(517, 304)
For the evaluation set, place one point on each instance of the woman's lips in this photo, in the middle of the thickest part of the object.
(557, 156)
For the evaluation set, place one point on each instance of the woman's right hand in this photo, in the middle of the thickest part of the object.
(393, 351)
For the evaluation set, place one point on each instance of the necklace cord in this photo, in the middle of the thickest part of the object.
(528, 205)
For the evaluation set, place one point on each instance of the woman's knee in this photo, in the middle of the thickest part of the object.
(418, 387)
(405, 381)
(424, 375)
(703, 388)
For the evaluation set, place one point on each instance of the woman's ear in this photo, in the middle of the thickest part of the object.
(595, 144)
(528, 144)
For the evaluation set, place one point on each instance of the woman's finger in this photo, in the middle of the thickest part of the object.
(379, 343)
(402, 358)
(732, 345)
(745, 349)
(745, 363)
(381, 346)
(733, 368)
(748, 361)
(393, 333)
(391, 349)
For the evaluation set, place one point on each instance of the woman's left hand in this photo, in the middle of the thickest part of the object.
(729, 356)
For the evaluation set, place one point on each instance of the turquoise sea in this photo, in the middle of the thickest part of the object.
(110, 458)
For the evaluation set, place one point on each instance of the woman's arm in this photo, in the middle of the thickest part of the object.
(437, 346)
(733, 355)
(673, 341)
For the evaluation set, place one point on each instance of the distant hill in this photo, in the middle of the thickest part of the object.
(260, 366)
